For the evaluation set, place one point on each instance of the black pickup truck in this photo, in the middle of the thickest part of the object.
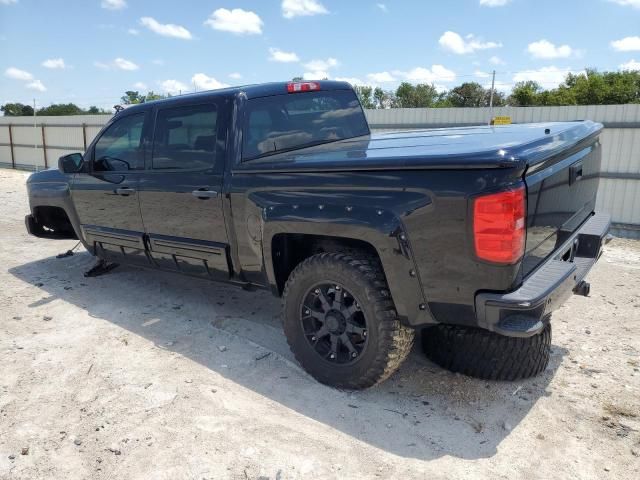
(474, 235)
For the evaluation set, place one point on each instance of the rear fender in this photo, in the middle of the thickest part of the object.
(362, 220)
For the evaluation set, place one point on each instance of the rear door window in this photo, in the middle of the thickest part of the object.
(185, 138)
(288, 122)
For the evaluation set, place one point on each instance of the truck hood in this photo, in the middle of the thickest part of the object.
(47, 176)
(482, 147)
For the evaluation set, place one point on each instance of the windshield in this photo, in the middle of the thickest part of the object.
(289, 122)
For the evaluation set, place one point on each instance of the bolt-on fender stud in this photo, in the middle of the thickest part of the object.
(423, 306)
(313, 338)
(354, 354)
(332, 356)
(412, 273)
(403, 237)
(337, 288)
(317, 291)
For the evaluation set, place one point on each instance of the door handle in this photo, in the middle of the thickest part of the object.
(204, 193)
(125, 191)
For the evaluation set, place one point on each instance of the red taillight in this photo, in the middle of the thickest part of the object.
(499, 226)
(297, 87)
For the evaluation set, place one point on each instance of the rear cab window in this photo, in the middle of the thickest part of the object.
(185, 138)
(293, 121)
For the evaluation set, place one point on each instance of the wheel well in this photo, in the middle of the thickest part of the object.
(289, 249)
(55, 221)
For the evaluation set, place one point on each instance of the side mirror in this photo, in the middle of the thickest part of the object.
(70, 163)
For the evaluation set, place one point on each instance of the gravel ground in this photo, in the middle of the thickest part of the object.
(140, 374)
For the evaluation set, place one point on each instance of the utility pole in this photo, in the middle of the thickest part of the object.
(493, 85)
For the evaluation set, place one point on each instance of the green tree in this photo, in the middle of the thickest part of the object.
(16, 110)
(57, 109)
(418, 96)
(131, 97)
(364, 94)
(525, 94)
(469, 94)
(383, 98)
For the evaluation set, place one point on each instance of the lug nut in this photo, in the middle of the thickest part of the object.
(313, 339)
(354, 354)
(317, 291)
(364, 334)
(332, 356)
(337, 288)
(307, 312)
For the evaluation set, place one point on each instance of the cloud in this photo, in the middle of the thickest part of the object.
(382, 7)
(494, 3)
(302, 8)
(133, 31)
(17, 74)
(548, 77)
(381, 77)
(166, 29)
(117, 64)
(627, 44)
(36, 85)
(481, 74)
(319, 69)
(235, 75)
(114, 4)
(54, 63)
(140, 86)
(172, 87)
(236, 21)
(321, 64)
(277, 55)
(545, 49)
(204, 82)
(435, 74)
(8, 2)
(124, 64)
(631, 65)
(454, 43)
(496, 61)
(101, 65)
(352, 80)
(627, 3)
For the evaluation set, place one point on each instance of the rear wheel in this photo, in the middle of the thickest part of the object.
(487, 355)
(340, 321)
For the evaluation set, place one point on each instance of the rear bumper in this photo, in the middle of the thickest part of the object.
(523, 312)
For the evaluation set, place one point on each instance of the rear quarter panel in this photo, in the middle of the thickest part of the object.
(431, 207)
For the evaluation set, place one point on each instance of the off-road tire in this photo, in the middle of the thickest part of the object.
(487, 355)
(389, 342)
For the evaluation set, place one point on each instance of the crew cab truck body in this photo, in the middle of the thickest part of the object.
(478, 233)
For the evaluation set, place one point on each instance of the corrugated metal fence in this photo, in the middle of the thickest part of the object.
(25, 146)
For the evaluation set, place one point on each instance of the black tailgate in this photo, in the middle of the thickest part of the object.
(561, 190)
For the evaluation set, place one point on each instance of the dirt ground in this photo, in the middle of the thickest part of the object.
(147, 375)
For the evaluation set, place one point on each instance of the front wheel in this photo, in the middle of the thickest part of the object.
(340, 321)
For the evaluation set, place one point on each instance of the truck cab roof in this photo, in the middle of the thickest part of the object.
(249, 91)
